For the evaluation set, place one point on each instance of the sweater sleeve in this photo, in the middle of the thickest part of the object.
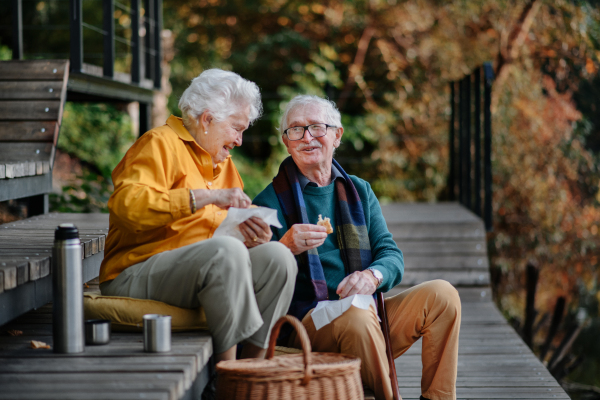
(268, 198)
(387, 257)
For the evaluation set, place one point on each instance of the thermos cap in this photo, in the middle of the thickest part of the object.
(66, 232)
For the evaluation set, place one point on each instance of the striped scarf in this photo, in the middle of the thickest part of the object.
(352, 235)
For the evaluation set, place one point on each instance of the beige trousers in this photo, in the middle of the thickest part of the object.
(243, 292)
(430, 310)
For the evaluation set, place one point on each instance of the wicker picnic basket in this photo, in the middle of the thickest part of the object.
(326, 376)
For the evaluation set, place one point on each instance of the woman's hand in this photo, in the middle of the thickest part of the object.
(222, 198)
(359, 282)
(255, 231)
(302, 237)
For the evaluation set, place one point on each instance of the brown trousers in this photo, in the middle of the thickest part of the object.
(430, 310)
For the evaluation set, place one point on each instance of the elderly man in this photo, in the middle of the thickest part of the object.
(360, 257)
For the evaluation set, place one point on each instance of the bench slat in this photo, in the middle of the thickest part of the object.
(28, 131)
(30, 110)
(24, 152)
(32, 90)
(34, 69)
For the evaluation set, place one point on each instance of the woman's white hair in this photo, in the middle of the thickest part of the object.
(332, 115)
(222, 94)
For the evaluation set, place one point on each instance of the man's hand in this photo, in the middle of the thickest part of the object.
(222, 198)
(359, 282)
(302, 237)
(255, 231)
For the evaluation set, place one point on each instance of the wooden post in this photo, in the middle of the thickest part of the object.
(157, 43)
(477, 142)
(532, 275)
(108, 9)
(487, 144)
(17, 29)
(556, 320)
(451, 144)
(136, 44)
(76, 39)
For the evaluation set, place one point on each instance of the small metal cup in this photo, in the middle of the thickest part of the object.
(157, 333)
(97, 331)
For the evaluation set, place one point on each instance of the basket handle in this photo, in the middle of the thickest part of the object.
(304, 340)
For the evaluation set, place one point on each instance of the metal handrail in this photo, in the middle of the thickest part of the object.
(146, 57)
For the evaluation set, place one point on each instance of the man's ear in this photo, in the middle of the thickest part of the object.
(286, 142)
(338, 137)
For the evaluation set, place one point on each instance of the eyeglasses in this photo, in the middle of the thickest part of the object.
(316, 130)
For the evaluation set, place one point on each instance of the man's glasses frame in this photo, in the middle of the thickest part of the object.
(307, 128)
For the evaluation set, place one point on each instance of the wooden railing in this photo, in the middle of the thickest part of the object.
(469, 155)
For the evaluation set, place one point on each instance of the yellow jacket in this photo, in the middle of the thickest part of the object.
(150, 207)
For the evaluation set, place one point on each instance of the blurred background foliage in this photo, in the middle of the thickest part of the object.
(388, 65)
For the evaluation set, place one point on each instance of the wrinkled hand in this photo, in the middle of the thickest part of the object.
(255, 231)
(302, 237)
(359, 282)
(235, 197)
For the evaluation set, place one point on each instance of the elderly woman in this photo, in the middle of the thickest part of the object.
(358, 257)
(172, 190)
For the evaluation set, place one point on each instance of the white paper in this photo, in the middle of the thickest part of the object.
(328, 310)
(235, 216)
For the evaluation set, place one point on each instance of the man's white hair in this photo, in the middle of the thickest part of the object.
(222, 94)
(332, 115)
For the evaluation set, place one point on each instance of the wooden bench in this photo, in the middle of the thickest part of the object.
(32, 97)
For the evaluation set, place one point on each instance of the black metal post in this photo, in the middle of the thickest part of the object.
(17, 30)
(145, 117)
(487, 143)
(467, 144)
(76, 37)
(451, 144)
(149, 38)
(461, 128)
(136, 44)
(157, 43)
(477, 142)
(108, 8)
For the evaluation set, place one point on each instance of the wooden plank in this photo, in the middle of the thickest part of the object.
(411, 231)
(442, 247)
(30, 90)
(414, 277)
(31, 131)
(33, 69)
(21, 152)
(436, 261)
(9, 278)
(43, 110)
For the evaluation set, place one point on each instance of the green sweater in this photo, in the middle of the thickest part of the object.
(387, 257)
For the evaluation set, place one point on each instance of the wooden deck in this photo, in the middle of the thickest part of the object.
(438, 240)
(446, 241)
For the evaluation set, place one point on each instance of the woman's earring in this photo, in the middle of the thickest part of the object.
(206, 132)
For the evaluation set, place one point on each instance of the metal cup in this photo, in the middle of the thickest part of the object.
(97, 331)
(157, 333)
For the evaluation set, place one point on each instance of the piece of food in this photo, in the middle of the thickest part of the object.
(325, 222)
(39, 345)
